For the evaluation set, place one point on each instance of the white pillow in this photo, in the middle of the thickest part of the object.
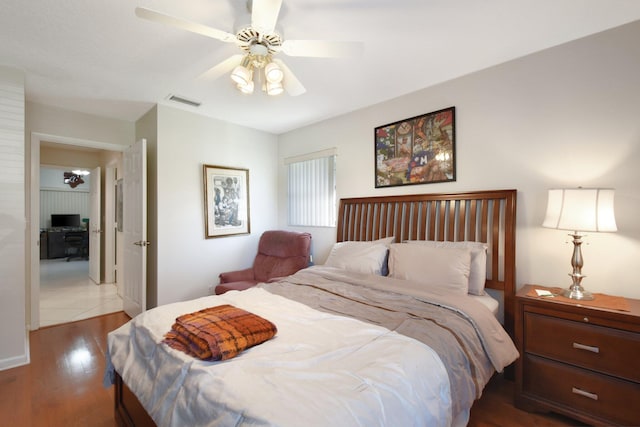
(432, 266)
(478, 274)
(361, 257)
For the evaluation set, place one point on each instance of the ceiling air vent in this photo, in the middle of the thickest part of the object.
(183, 100)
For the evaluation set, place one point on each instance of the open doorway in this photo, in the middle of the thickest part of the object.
(60, 281)
(71, 286)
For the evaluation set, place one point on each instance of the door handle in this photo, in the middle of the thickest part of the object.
(142, 243)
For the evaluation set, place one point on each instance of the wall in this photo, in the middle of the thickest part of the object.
(14, 348)
(188, 264)
(564, 117)
(81, 126)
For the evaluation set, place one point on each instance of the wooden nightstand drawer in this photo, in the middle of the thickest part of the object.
(581, 391)
(579, 360)
(602, 349)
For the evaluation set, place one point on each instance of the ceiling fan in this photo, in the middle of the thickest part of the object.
(259, 43)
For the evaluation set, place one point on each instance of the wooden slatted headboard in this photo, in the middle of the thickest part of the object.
(479, 216)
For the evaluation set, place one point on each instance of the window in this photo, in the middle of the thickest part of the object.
(312, 189)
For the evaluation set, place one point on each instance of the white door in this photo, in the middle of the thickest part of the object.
(134, 224)
(95, 232)
(109, 228)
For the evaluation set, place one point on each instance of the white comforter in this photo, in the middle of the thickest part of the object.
(307, 375)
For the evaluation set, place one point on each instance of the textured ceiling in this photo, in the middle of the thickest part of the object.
(98, 57)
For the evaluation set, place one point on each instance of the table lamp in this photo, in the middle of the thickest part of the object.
(578, 210)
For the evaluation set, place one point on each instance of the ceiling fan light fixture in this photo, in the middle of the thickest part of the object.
(246, 88)
(259, 41)
(241, 75)
(273, 73)
(274, 88)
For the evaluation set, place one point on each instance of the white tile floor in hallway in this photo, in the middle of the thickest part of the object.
(67, 294)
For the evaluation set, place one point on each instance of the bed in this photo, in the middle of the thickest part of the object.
(354, 346)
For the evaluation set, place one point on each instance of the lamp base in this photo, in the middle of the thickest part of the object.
(578, 293)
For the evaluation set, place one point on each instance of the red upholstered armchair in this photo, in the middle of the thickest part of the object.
(280, 253)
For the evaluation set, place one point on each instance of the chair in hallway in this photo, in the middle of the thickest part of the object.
(76, 244)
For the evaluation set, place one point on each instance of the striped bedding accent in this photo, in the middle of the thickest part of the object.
(218, 333)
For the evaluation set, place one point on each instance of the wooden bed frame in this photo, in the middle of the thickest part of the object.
(478, 216)
(481, 216)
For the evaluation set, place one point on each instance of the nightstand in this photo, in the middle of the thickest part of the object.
(583, 362)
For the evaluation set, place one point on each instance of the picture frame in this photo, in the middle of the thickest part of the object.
(418, 150)
(226, 201)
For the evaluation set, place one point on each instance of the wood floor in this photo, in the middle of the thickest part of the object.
(63, 384)
(495, 409)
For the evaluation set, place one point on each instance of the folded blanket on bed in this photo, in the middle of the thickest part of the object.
(218, 333)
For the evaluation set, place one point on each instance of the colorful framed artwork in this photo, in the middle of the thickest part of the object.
(419, 150)
(226, 201)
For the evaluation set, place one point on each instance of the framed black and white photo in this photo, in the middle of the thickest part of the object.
(226, 201)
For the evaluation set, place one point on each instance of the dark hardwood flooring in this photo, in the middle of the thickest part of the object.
(62, 386)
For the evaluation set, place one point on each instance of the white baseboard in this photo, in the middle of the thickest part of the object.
(14, 362)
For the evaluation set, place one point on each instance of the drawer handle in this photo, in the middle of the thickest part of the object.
(584, 393)
(586, 347)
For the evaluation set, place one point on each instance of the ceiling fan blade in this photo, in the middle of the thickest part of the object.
(222, 68)
(152, 15)
(264, 14)
(322, 49)
(290, 82)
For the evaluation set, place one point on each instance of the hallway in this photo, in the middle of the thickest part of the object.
(67, 294)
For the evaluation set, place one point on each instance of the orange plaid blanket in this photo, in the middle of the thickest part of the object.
(218, 333)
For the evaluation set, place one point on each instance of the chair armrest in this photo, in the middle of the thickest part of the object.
(237, 276)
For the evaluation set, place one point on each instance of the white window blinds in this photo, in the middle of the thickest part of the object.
(312, 189)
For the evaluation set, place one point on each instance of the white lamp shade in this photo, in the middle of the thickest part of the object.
(580, 209)
(274, 88)
(273, 73)
(246, 88)
(241, 75)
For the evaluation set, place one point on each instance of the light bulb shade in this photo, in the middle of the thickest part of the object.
(246, 88)
(241, 75)
(273, 73)
(580, 209)
(274, 88)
